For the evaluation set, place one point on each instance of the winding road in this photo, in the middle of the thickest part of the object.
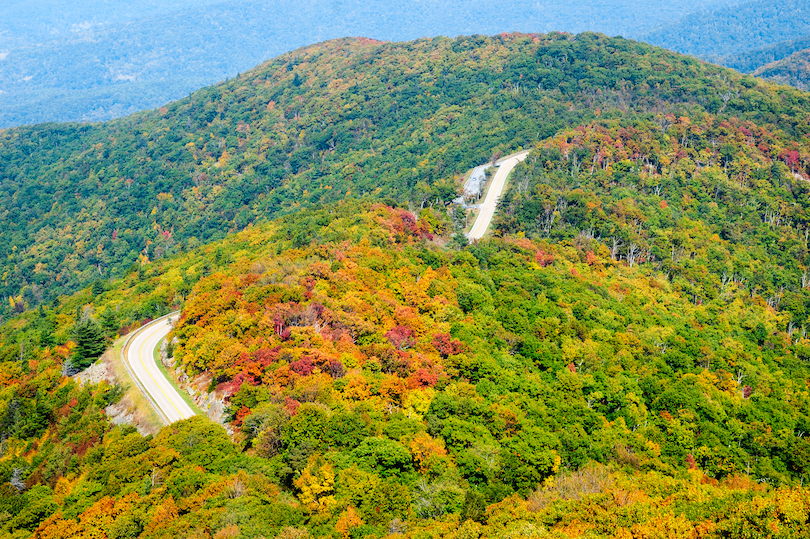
(139, 351)
(481, 223)
(139, 357)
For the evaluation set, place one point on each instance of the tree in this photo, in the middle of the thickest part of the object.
(386, 457)
(427, 452)
(90, 343)
(348, 520)
(474, 508)
(317, 485)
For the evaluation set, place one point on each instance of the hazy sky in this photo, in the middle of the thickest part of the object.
(27, 21)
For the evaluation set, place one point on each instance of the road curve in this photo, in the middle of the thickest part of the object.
(481, 223)
(140, 358)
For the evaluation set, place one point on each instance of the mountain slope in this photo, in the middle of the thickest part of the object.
(750, 61)
(376, 380)
(346, 118)
(793, 70)
(731, 30)
(628, 356)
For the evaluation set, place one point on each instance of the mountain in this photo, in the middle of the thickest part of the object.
(90, 60)
(714, 33)
(342, 119)
(625, 355)
(37, 21)
(793, 70)
(750, 61)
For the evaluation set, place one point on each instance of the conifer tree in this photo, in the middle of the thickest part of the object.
(90, 343)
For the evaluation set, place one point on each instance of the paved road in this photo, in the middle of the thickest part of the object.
(481, 224)
(141, 359)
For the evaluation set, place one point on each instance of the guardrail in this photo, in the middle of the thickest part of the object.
(124, 349)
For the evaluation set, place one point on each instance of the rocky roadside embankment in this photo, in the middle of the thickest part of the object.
(213, 404)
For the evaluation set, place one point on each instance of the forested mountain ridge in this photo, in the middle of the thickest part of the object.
(340, 119)
(714, 33)
(750, 61)
(745, 37)
(626, 356)
(793, 70)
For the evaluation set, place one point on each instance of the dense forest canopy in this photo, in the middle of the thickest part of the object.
(376, 380)
(750, 61)
(793, 70)
(735, 29)
(346, 118)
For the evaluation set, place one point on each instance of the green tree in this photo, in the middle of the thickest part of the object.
(90, 343)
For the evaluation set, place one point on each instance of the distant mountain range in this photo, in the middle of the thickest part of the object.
(750, 61)
(746, 37)
(735, 29)
(92, 60)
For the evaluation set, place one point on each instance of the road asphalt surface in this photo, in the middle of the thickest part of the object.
(141, 359)
(481, 223)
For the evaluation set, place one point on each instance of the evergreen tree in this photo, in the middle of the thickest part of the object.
(108, 323)
(90, 343)
(97, 287)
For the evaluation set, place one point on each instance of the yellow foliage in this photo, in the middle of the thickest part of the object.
(165, 512)
(228, 532)
(63, 488)
(348, 519)
(293, 533)
(789, 505)
(653, 448)
(622, 533)
(704, 529)
(356, 388)
(576, 529)
(664, 527)
(424, 448)
(92, 522)
(628, 497)
(419, 400)
(54, 527)
(354, 483)
(469, 529)
(317, 485)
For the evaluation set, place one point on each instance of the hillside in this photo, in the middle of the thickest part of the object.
(625, 356)
(342, 119)
(793, 70)
(127, 57)
(379, 381)
(750, 61)
(729, 30)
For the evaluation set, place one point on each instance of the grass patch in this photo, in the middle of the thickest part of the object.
(472, 215)
(170, 377)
